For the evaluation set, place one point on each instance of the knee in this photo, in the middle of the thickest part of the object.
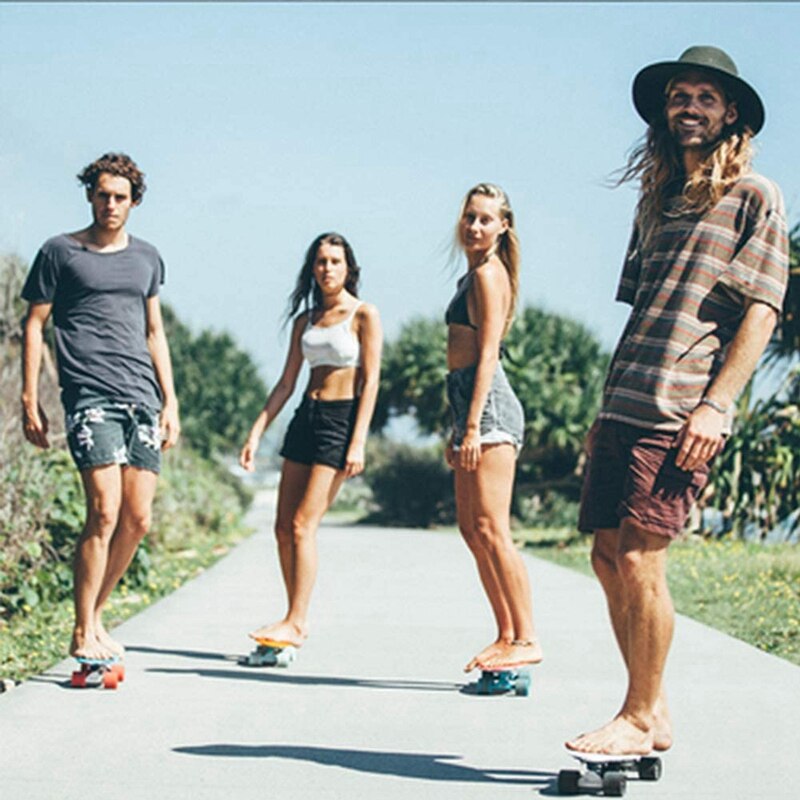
(300, 529)
(488, 533)
(101, 517)
(137, 524)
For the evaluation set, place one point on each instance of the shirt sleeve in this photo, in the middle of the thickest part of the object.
(159, 274)
(760, 268)
(631, 269)
(40, 285)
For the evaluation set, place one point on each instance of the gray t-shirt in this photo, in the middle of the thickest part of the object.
(100, 317)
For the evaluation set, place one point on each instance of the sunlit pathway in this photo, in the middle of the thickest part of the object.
(372, 708)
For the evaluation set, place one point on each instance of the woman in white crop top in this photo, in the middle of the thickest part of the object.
(340, 337)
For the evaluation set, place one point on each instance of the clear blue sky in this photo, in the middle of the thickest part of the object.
(262, 125)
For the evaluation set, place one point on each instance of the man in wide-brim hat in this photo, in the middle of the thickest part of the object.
(706, 272)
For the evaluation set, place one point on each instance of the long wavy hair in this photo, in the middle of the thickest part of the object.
(507, 249)
(657, 163)
(306, 291)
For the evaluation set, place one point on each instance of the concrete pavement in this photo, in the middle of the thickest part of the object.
(372, 707)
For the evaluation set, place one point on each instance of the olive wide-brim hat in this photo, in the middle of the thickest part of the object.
(650, 83)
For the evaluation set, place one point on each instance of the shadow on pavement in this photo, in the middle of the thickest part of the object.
(184, 653)
(268, 675)
(424, 766)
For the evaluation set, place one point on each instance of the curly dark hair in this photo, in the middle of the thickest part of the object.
(115, 164)
(307, 292)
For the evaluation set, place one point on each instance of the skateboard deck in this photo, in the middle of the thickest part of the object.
(98, 673)
(503, 681)
(270, 653)
(607, 774)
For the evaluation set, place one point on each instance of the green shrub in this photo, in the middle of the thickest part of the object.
(410, 486)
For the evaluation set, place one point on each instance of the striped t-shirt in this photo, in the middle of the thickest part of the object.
(688, 294)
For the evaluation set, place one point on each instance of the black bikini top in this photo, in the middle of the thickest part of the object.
(457, 312)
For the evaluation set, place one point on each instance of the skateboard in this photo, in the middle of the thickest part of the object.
(98, 673)
(269, 653)
(607, 775)
(503, 681)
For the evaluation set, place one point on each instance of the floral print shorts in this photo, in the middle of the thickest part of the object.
(101, 431)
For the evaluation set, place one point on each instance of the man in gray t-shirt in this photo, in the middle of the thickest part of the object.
(101, 287)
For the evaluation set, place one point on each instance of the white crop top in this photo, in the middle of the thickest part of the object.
(333, 345)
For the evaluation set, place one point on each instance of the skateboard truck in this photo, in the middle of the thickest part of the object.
(606, 774)
(268, 653)
(503, 681)
(96, 673)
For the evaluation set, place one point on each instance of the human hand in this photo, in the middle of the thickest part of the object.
(35, 425)
(354, 460)
(247, 458)
(170, 425)
(700, 439)
(470, 451)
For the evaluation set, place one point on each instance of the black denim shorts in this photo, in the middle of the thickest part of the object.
(101, 431)
(502, 418)
(320, 432)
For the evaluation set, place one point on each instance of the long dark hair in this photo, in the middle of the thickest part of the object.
(306, 291)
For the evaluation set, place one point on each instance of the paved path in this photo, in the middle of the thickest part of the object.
(371, 710)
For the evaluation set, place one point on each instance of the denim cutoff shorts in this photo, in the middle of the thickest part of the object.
(502, 418)
(101, 431)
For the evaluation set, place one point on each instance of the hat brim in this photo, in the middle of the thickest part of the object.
(649, 85)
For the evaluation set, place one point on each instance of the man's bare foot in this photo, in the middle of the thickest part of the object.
(513, 654)
(620, 737)
(487, 652)
(662, 726)
(105, 640)
(87, 646)
(282, 631)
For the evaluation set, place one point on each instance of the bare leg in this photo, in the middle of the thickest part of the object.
(322, 485)
(138, 491)
(643, 619)
(103, 490)
(490, 582)
(489, 488)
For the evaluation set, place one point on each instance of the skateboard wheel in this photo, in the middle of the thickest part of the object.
(78, 680)
(568, 781)
(110, 680)
(650, 769)
(119, 670)
(614, 784)
(522, 687)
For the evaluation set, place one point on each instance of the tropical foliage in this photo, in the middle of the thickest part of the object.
(755, 483)
(218, 386)
(555, 365)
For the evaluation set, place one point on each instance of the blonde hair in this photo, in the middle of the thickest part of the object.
(507, 248)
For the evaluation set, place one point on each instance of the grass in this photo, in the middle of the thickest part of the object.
(31, 642)
(748, 590)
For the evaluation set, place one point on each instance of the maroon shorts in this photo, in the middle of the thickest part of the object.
(631, 472)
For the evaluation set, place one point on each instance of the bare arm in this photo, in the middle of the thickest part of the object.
(701, 437)
(34, 420)
(277, 398)
(490, 306)
(159, 352)
(370, 337)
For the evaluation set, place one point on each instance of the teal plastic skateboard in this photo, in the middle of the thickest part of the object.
(269, 653)
(98, 673)
(503, 681)
(607, 775)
